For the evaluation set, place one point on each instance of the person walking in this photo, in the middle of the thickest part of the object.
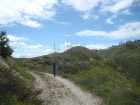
(54, 69)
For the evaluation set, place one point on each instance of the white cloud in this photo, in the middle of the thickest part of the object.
(82, 5)
(29, 51)
(85, 6)
(128, 30)
(22, 45)
(26, 12)
(14, 45)
(109, 20)
(49, 50)
(26, 55)
(15, 38)
(126, 12)
(35, 48)
(100, 46)
(88, 15)
(29, 48)
(114, 6)
(96, 17)
(31, 23)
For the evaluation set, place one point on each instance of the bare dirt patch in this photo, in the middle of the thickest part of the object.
(60, 91)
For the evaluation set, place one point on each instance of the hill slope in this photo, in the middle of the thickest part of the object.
(76, 58)
(127, 56)
(16, 87)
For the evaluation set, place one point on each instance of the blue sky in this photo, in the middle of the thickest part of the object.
(33, 26)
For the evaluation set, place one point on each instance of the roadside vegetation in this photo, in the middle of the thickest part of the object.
(16, 88)
(16, 84)
(110, 84)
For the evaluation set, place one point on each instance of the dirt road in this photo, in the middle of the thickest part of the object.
(60, 91)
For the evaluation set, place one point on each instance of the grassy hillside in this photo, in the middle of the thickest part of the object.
(70, 61)
(127, 56)
(16, 84)
(110, 84)
(125, 49)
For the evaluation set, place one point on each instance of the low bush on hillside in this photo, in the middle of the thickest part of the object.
(21, 70)
(110, 84)
(126, 55)
(16, 89)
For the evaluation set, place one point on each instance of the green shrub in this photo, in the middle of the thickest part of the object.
(110, 84)
(21, 70)
(12, 100)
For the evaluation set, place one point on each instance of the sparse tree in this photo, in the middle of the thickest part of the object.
(5, 49)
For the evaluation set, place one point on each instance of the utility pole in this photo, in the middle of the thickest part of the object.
(64, 60)
(58, 48)
(71, 51)
(67, 45)
(84, 57)
(58, 60)
(54, 51)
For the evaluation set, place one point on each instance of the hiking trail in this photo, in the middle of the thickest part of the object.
(60, 91)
